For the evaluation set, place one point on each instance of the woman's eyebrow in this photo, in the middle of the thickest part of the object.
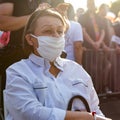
(50, 26)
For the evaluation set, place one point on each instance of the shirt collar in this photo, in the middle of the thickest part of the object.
(41, 61)
(36, 59)
(59, 63)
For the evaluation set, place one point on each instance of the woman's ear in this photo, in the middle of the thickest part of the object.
(29, 39)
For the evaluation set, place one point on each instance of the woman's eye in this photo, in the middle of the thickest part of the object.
(47, 31)
(60, 32)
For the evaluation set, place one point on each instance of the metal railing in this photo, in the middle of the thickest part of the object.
(104, 68)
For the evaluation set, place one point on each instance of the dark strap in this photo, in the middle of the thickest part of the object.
(1, 114)
(82, 99)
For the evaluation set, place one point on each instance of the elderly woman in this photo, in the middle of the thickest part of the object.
(40, 86)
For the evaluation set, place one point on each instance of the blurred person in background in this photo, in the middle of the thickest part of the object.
(90, 22)
(73, 35)
(95, 61)
(108, 27)
(79, 12)
(14, 15)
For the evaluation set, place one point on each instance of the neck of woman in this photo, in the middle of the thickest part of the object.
(54, 70)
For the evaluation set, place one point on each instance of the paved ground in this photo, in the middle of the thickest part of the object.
(111, 107)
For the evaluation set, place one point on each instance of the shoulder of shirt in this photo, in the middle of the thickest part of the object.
(74, 65)
(75, 23)
(20, 64)
(75, 26)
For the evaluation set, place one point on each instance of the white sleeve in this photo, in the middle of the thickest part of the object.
(22, 103)
(94, 99)
(77, 33)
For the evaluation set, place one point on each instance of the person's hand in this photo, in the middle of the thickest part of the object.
(102, 118)
(96, 45)
(89, 116)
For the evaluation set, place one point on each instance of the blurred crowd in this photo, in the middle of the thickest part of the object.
(101, 29)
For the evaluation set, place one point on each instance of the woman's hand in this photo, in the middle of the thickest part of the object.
(76, 115)
(102, 118)
(83, 115)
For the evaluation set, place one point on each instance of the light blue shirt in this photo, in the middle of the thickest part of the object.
(33, 93)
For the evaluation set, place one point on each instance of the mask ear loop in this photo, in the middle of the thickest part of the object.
(34, 36)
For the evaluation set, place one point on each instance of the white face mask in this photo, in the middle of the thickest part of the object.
(50, 47)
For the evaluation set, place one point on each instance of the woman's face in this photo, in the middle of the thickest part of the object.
(46, 26)
(49, 26)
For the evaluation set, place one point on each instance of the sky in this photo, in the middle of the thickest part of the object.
(82, 3)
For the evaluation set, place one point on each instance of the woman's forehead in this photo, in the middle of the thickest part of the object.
(49, 20)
